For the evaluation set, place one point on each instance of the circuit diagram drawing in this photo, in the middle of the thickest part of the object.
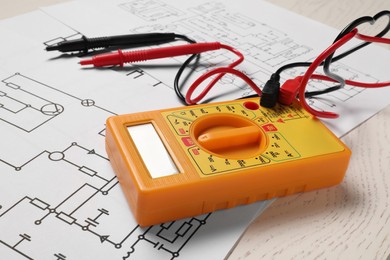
(28, 106)
(150, 10)
(18, 104)
(263, 46)
(70, 189)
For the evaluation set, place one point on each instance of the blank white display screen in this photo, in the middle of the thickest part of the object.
(152, 150)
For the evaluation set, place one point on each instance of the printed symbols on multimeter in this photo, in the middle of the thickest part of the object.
(237, 109)
(279, 148)
(210, 164)
(283, 113)
(181, 120)
(180, 125)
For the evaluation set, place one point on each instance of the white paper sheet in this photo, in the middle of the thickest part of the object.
(59, 198)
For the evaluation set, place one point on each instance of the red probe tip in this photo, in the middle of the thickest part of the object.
(86, 62)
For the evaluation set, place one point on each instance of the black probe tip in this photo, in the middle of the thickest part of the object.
(52, 48)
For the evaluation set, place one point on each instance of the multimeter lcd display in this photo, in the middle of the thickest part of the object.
(187, 161)
(152, 150)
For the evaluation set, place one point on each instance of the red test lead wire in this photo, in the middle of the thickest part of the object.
(372, 38)
(219, 71)
(120, 57)
(223, 71)
(310, 72)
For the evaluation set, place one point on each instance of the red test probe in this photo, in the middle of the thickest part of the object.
(120, 57)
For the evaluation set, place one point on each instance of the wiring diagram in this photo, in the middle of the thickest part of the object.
(71, 189)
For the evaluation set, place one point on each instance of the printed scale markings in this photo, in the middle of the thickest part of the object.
(278, 150)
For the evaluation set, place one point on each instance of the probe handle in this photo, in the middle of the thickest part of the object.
(84, 44)
(119, 57)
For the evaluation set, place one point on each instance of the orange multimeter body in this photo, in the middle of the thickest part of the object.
(222, 155)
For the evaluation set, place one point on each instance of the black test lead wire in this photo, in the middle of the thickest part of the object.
(330, 59)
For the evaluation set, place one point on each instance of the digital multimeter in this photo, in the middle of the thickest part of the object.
(187, 161)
